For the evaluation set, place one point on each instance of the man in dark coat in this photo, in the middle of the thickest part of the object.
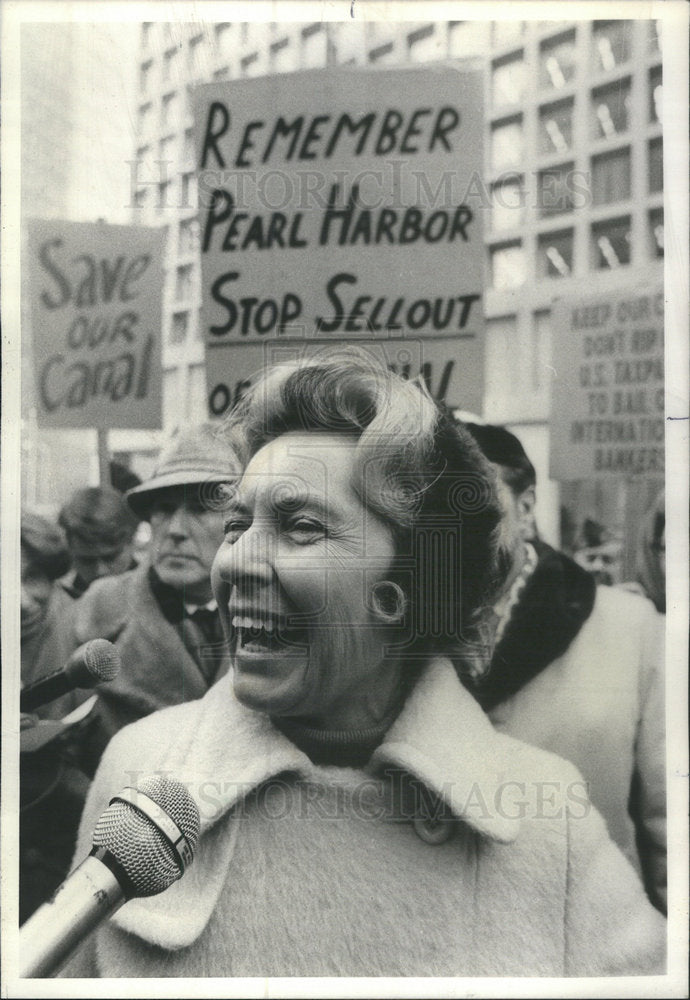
(161, 616)
(99, 527)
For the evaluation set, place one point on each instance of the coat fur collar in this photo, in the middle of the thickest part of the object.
(557, 600)
(223, 750)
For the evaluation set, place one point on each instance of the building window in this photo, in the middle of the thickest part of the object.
(426, 44)
(163, 193)
(611, 244)
(508, 81)
(507, 144)
(170, 64)
(166, 149)
(556, 128)
(145, 115)
(507, 266)
(656, 95)
(314, 46)
(249, 66)
(420, 35)
(611, 177)
(169, 106)
(656, 232)
(348, 43)
(382, 53)
(656, 165)
(610, 110)
(557, 62)
(283, 58)
(183, 282)
(507, 203)
(504, 33)
(195, 57)
(222, 73)
(611, 44)
(146, 33)
(188, 236)
(179, 327)
(556, 190)
(555, 254)
(145, 75)
(223, 37)
(466, 38)
(141, 196)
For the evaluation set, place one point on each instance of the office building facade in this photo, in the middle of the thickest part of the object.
(573, 187)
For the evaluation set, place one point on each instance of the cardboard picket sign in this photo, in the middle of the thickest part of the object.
(340, 206)
(95, 309)
(607, 416)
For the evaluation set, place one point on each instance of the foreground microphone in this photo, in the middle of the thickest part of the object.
(95, 661)
(144, 841)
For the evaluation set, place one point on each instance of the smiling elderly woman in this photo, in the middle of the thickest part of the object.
(360, 816)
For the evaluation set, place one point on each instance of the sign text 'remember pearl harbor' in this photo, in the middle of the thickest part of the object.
(343, 207)
(95, 323)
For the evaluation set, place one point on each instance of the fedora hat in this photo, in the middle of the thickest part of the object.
(195, 456)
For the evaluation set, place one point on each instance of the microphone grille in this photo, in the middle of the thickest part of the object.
(102, 659)
(138, 845)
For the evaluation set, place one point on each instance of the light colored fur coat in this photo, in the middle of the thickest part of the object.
(601, 706)
(298, 874)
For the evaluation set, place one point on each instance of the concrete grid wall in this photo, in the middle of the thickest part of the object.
(573, 142)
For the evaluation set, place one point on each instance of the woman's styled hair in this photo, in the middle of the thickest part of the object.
(424, 476)
(45, 545)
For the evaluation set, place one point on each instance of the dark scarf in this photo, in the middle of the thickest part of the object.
(557, 600)
(351, 748)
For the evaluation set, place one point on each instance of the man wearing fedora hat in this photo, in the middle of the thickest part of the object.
(161, 616)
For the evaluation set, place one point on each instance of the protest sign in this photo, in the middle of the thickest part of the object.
(607, 416)
(96, 298)
(343, 207)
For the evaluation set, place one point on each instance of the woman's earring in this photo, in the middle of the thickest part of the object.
(388, 601)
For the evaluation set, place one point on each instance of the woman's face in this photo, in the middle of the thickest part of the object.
(292, 580)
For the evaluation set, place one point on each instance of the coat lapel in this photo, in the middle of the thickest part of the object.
(443, 738)
(157, 668)
(223, 750)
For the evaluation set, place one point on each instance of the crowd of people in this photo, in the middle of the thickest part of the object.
(423, 742)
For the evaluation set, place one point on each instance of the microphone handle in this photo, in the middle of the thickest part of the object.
(87, 897)
(47, 689)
